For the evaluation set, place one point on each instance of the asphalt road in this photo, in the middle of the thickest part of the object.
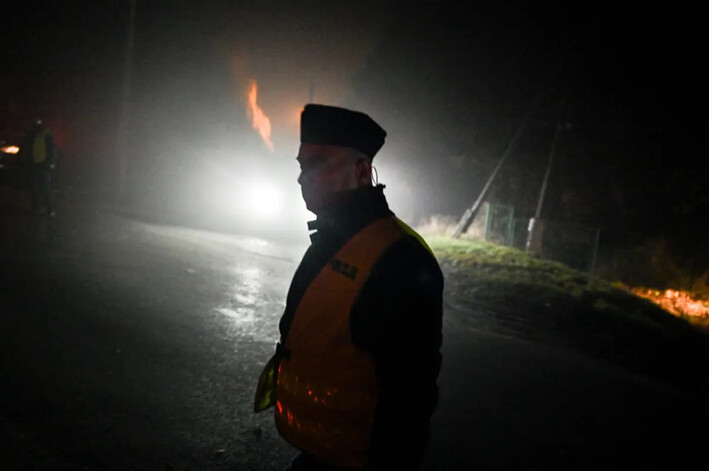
(131, 345)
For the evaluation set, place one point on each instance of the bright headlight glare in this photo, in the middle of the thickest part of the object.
(261, 199)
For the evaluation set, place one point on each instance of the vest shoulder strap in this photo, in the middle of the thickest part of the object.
(408, 230)
(366, 247)
(336, 287)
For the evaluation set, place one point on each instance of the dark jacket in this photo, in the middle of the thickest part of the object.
(397, 319)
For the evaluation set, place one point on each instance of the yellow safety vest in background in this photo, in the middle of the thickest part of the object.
(39, 147)
(326, 391)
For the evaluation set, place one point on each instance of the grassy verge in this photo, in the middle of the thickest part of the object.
(549, 302)
(507, 278)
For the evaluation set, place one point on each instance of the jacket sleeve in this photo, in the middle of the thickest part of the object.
(398, 320)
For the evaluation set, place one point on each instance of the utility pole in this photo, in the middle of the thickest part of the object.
(124, 120)
(536, 227)
(471, 212)
(545, 182)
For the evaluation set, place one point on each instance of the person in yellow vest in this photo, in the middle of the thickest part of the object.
(353, 379)
(39, 154)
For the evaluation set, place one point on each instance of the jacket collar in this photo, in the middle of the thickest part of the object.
(353, 210)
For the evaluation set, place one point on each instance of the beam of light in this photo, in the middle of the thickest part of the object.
(259, 120)
(256, 199)
(10, 149)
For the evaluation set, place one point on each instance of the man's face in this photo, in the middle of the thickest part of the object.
(325, 169)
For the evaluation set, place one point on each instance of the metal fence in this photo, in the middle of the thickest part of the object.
(571, 244)
(499, 221)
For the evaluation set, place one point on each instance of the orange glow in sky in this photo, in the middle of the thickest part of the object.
(259, 120)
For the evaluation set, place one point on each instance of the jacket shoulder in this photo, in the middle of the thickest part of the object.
(411, 259)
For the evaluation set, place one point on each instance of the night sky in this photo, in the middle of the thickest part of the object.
(450, 81)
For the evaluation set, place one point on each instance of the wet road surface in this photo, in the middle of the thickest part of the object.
(130, 345)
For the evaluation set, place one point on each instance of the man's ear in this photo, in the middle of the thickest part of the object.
(363, 169)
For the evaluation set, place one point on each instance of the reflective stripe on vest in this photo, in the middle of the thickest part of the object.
(327, 388)
(39, 147)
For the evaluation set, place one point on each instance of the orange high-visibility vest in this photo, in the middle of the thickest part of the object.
(326, 390)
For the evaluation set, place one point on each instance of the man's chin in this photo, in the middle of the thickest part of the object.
(326, 203)
(312, 205)
(317, 203)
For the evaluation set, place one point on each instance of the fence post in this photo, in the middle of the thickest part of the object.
(487, 207)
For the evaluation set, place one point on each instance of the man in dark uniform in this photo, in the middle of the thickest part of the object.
(354, 375)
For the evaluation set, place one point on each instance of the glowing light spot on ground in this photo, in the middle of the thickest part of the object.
(679, 303)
